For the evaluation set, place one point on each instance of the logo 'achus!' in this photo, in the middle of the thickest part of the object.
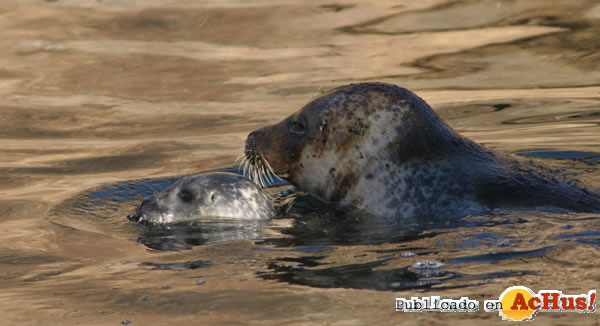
(519, 303)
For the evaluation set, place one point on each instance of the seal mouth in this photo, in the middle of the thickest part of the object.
(256, 168)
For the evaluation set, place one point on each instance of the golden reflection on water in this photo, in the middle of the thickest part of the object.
(98, 92)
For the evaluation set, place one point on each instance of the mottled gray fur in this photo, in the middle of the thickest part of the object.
(214, 194)
(382, 149)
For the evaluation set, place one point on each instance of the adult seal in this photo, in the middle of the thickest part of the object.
(382, 149)
(212, 194)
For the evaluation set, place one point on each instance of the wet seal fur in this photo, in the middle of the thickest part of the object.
(380, 148)
(213, 194)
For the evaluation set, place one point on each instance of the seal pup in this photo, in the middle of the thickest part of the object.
(211, 194)
(380, 148)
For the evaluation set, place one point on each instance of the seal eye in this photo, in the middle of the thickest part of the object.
(186, 196)
(297, 128)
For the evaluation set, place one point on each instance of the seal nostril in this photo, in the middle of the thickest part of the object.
(134, 217)
(212, 196)
(147, 205)
(251, 140)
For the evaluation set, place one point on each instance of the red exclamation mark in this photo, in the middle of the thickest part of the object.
(592, 301)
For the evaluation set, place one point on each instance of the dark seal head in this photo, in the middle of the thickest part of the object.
(382, 149)
(216, 194)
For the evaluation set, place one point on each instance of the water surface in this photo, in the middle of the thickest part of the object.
(104, 102)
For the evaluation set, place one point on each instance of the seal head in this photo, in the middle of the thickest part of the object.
(216, 194)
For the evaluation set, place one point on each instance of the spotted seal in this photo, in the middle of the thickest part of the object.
(382, 149)
(214, 194)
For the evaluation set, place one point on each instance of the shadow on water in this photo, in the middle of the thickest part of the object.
(178, 266)
(186, 235)
(316, 223)
(588, 158)
(370, 276)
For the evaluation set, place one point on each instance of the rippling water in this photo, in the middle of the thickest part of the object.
(104, 102)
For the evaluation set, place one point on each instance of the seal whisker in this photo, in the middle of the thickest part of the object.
(241, 164)
(257, 171)
(255, 175)
(262, 182)
(239, 158)
(262, 174)
(271, 169)
(250, 171)
(265, 170)
(269, 174)
(245, 169)
(266, 174)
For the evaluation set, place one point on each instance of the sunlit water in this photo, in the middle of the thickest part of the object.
(105, 102)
